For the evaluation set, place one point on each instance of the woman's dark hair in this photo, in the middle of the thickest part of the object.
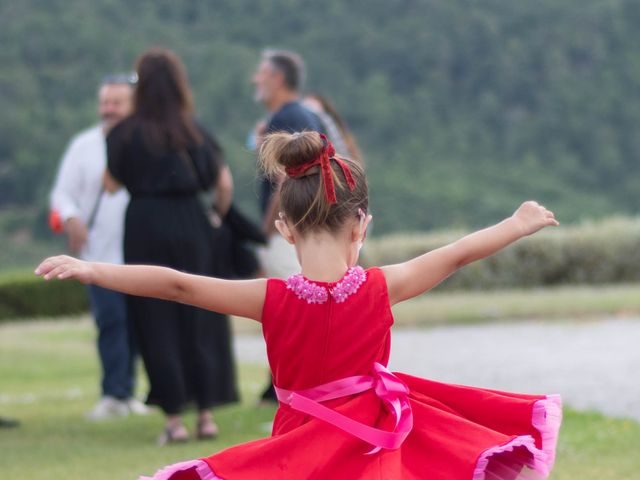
(303, 199)
(163, 105)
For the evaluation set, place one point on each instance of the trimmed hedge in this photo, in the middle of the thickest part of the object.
(23, 295)
(605, 252)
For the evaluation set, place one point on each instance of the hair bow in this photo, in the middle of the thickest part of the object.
(324, 161)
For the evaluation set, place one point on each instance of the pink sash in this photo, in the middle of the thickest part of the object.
(386, 386)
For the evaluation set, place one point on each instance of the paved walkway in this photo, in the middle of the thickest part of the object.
(594, 365)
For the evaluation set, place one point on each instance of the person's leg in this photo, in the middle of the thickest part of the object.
(157, 328)
(269, 392)
(211, 365)
(6, 422)
(174, 431)
(114, 345)
(207, 427)
(211, 360)
(279, 260)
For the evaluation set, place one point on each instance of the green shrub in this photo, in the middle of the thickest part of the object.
(589, 253)
(605, 252)
(23, 295)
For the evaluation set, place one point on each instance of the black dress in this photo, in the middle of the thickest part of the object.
(186, 351)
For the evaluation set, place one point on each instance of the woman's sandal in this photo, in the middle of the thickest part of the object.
(207, 430)
(176, 434)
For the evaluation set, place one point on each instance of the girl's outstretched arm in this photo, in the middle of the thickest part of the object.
(244, 298)
(409, 279)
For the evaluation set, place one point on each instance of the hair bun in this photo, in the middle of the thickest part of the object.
(282, 150)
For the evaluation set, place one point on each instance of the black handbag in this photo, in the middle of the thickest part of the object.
(243, 236)
(234, 236)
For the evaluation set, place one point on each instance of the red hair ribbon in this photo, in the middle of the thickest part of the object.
(324, 161)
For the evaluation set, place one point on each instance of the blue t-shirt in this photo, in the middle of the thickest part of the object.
(292, 117)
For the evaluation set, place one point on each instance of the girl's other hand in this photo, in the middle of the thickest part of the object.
(531, 217)
(63, 267)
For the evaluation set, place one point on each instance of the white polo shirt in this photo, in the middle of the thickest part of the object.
(76, 191)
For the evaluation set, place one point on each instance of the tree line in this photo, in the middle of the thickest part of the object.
(462, 108)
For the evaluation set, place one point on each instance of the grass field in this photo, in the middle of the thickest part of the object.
(48, 375)
(446, 307)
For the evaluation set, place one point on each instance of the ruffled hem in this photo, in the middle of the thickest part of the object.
(202, 469)
(520, 459)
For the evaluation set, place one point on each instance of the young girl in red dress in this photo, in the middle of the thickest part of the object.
(342, 414)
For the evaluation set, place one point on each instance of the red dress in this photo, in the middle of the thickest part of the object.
(458, 432)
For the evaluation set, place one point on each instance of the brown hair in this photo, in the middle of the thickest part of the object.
(349, 140)
(303, 198)
(163, 105)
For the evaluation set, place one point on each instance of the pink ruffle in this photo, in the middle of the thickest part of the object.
(520, 459)
(201, 467)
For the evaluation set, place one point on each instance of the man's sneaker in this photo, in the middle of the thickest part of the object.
(108, 407)
(137, 407)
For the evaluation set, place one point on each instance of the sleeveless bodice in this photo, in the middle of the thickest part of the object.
(313, 343)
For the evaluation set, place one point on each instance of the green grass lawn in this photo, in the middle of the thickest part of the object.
(564, 302)
(48, 376)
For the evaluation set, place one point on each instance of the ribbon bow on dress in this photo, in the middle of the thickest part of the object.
(386, 386)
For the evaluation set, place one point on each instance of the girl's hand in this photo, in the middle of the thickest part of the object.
(531, 217)
(63, 267)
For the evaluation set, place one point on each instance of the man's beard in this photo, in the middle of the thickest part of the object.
(109, 121)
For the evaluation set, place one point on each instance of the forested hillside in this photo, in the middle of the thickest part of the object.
(463, 108)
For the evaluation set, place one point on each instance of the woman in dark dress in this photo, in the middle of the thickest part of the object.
(165, 159)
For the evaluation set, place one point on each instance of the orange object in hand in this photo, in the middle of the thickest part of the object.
(55, 222)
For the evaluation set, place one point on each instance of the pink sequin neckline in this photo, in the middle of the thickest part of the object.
(319, 292)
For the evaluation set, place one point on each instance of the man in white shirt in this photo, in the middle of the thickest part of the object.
(94, 222)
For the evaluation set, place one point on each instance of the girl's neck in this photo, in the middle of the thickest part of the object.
(323, 257)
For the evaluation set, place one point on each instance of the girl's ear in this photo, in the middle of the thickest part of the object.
(359, 232)
(283, 228)
(364, 225)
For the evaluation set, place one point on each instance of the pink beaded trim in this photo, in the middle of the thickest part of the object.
(313, 292)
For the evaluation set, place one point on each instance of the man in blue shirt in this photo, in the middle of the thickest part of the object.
(278, 81)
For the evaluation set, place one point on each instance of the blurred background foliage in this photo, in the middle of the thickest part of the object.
(570, 259)
(463, 108)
